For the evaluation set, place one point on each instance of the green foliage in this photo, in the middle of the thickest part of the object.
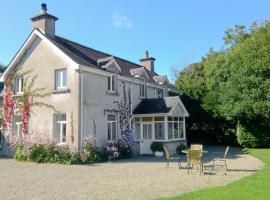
(42, 153)
(157, 146)
(2, 68)
(91, 154)
(252, 135)
(37, 153)
(232, 85)
(180, 148)
(192, 81)
(245, 138)
(19, 153)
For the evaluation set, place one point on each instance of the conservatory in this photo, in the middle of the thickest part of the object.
(160, 120)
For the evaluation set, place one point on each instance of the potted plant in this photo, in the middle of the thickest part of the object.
(180, 148)
(157, 148)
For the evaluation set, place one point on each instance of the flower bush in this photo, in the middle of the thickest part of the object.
(40, 148)
(110, 151)
(126, 144)
(90, 152)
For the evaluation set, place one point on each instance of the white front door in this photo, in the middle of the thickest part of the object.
(146, 138)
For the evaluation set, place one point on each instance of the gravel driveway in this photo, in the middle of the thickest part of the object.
(138, 178)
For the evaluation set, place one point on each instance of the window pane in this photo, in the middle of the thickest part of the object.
(58, 79)
(111, 118)
(145, 131)
(113, 83)
(175, 130)
(181, 134)
(60, 117)
(150, 131)
(109, 131)
(137, 119)
(170, 118)
(159, 118)
(18, 85)
(146, 119)
(159, 93)
(159, 131)
(64, 132)
(142, 88)
(113, 131)
(109, 83)
(170, 131)
(64, 84)
(137, 131)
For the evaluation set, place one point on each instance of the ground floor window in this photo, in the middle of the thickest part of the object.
(60, 127)
(112, 128)
(175, 128)
(159, 130)
(17, 129)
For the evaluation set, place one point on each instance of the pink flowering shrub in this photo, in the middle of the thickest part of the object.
(41, 148)
(90, 152)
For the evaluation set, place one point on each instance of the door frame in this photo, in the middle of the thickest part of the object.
(142, 140)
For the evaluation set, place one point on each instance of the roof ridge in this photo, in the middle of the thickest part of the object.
(98, 51)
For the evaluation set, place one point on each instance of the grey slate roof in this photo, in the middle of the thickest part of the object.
(89, 57)
(154, 106)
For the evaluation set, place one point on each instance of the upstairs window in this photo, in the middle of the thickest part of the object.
(161, 93)
(61, 79)
(142, 90)
(112, 83)
(18, 85)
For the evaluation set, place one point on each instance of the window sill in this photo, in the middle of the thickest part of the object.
(112, 93)
(141, 97)
(18, 94)
(61, 91)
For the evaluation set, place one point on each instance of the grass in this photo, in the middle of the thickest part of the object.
(254, 187)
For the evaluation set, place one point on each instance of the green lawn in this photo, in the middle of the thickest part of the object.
(256, 186)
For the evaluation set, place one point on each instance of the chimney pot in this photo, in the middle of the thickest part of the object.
(148, 62)
(146, 54)
(43, 8)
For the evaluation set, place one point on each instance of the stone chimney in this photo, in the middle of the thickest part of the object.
(148, 62)
(45, 22)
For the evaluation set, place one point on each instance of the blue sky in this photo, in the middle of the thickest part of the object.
(175, 32)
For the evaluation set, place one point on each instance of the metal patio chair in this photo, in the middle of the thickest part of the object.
(170, 157)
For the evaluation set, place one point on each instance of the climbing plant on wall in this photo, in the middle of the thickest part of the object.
(23, 103)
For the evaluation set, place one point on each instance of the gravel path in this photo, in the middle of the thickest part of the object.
(139, 178)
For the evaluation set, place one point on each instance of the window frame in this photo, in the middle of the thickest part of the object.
(180, 131)
(18, 85)
(111, 83)
(164, 127)
(62, 86)
(110, 123)
(142, 90)
(61, 123)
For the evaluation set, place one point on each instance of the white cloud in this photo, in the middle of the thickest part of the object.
(120, 20)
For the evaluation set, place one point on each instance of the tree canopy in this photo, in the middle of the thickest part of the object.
(233, 84)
